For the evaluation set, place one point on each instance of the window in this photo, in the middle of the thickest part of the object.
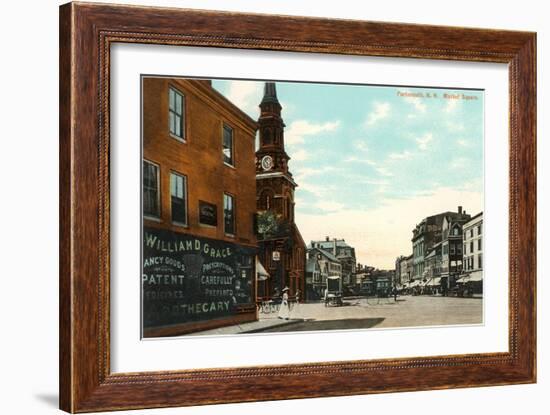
(471, 246)
(229, 214)
(479, 244)
(459, 249)
(455, 231)
(227, 143)
(178, 193)
(472, 233)
(479, 229)
(480, 261)
(151, 204)
(452, 247)
(176, 113)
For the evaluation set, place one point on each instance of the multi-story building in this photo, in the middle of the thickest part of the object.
(426, 234)
(321, 266)
(473, 253)
(360, 273)
(199, 201)
(451, 250)
(282, 250)
(345, 254)
(398, 262)
(403, 269)
(409, 268)
(433, 266)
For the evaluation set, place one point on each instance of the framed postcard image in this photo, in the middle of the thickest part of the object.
(286, 212)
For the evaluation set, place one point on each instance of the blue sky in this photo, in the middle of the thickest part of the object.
(375, 153)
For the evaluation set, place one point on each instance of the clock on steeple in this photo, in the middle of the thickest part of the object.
(274, 183)
(275, 204)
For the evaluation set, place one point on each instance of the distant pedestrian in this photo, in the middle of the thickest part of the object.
(284, 311)
(394, 294)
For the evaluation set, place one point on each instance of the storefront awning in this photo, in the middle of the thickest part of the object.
(434, 282)
(463, 279)
(476, 276)
(261, 273)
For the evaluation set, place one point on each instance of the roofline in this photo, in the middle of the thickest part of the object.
(214, 93)
(474, 217)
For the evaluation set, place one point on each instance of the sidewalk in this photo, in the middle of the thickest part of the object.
(250, 327)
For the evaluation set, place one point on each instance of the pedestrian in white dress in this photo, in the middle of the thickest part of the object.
(284, 311)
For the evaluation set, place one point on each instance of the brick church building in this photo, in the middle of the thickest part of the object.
(282, 250)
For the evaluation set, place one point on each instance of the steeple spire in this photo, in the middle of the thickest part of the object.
(270, 93)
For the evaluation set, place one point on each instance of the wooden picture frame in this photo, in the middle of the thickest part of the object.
(86, 33)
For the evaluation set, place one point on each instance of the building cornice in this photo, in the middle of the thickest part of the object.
(273, 175)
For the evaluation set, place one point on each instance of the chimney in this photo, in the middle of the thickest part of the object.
(327, 238)
(460, 210)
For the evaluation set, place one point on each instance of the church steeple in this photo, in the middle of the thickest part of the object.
(271, 123)
(275, 201)
(275, 184)
(270, 94)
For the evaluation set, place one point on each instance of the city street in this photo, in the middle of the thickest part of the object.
(408, 311)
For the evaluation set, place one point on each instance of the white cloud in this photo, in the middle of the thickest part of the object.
(459, 163)
(361, 146)
(455, 126)
(287, 108)
(355, 159)
(452, 105)
(417, 103)
(381, 111)
(381, 234)
(383, 171)
(329, 206)
(305, 172)
(404, 155)
(376, 182)
(317, 190)
(300, 155)
(246, 95)
(370, 162)
(424, 141)
(299, 129)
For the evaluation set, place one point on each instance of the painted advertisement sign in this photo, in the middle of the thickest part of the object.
(187, 279)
